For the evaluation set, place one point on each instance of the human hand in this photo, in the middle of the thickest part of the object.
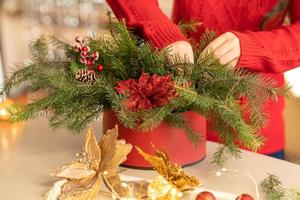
(180, 50)
(226, 48)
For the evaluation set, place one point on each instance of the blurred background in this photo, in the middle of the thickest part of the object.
(21, 21)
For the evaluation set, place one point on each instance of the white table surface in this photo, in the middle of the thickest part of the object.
(30, 151)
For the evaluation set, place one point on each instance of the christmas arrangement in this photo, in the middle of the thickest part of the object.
(122, 73)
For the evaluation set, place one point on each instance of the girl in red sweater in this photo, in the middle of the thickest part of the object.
(252, 37)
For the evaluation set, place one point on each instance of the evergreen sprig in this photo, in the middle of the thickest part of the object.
(273, 189)
(206, 87)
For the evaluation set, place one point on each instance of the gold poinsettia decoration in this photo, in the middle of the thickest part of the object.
(172, 180)
(82, 178)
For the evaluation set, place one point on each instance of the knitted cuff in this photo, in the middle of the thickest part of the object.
(161, 35)
(251, 51)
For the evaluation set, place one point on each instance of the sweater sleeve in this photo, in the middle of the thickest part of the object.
(274, 51)
(145, 16)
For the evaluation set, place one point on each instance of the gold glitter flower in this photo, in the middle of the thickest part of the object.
(172, 180)
(82, 177)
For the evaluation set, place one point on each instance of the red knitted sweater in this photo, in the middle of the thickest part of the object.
(266, 45)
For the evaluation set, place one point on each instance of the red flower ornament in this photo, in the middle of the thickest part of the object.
(148, 92)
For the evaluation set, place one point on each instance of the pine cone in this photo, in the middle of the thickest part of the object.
(86, 76)
(205, 78)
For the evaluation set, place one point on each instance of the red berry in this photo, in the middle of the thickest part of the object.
(89, 62)
(244, 197)
(100, 67)
(84, 54)
(95, 55)
(85, 48)
(205, 196)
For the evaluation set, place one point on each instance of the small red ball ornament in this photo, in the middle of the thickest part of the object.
(95, 55)
(85, 48)
(244, 197)
(90, 63)
(83, 54)
(100, 67)
(205, 196)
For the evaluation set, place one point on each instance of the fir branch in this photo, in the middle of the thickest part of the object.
(187, 27)
(224, 152)
(293, 194)
(227, 111)
(39, 49)
(63, 48)
(17, 78)
(272, 188)
(77, 119)
(20, 113)
(153, 118)
(59, 43)
(231, 115)
(207, 37)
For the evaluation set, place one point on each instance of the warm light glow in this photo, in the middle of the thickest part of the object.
(174, 192)
(160, 187)
(124, 184)
(179, 194)
(4, 115)
(292, 78)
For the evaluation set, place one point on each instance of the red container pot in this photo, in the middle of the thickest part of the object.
(173, 140)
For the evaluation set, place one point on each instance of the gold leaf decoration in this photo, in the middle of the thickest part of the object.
(91, 149)
(74, 170)
(121, 151)
(84, 189)
(82, 178)
(172, 180)
(107, 141)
